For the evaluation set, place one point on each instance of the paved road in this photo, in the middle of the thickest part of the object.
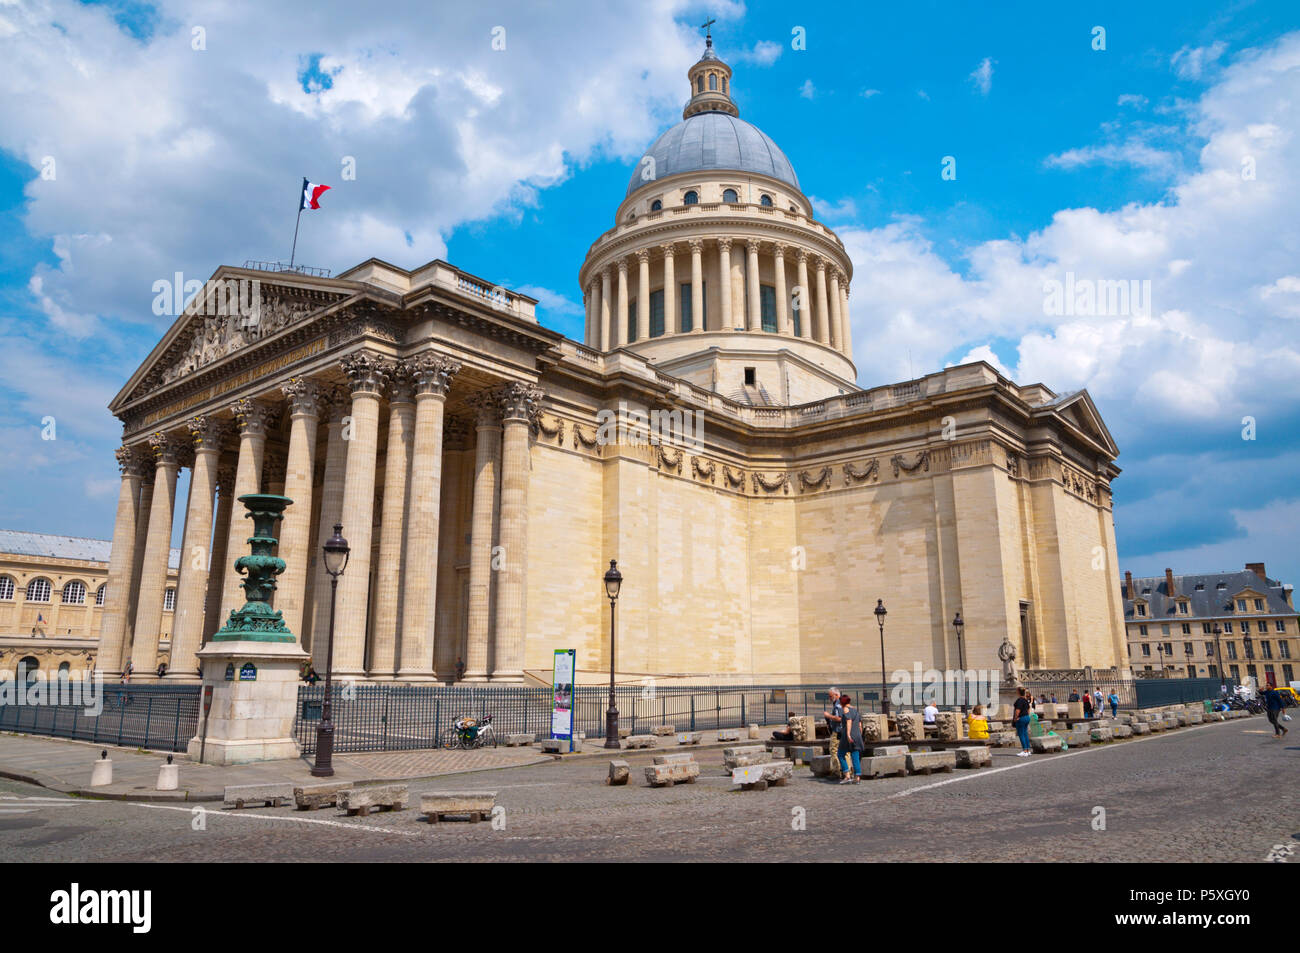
(1221, 792)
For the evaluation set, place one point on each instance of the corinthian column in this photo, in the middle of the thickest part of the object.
(122, 561)
(697, 284)
(782, 305)
(725, 322)
(847, 322)
(487, 460)
(157, 547)
(837, 328)
(620, 319)
(331, 512)
(755, 322)
(823, 311)
(306, 401)
(367, 374)
(805, 294)
(192, 586)
(253, 420)
(643, 294)
(606, 336)
(447, 617)
(212, 618)
(519, 406)
(392, 581)
(670, 290)
(432, 374)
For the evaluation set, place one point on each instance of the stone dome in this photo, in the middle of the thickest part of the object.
(715, 140)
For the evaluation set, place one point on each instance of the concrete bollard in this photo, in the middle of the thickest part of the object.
(169, 776)
(102, 774)
(753, 732)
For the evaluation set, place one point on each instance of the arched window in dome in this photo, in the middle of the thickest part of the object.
(765, 200)
(656, 206)
(724, 84)
(699, 83)
(729, 195)
(691, 198)
(793, 209)
(713, 82)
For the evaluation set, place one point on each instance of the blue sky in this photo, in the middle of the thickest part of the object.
(1122, 163)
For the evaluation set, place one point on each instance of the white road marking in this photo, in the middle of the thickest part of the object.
(264, 817)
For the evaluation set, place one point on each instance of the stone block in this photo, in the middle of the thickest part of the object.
(682, 758)
(1003, 739)
(1125, 718)
(1140, 728)
(385, 797)
(520, 740)
(438, 805)
(824, 766)
(1075, 709)
(1195, 717)
(757, 777)
(878, 766)
(624, 732)
(927, 762)
(688, 738)
(1079, 738)
(949, 725)
(910, 726)
(663, 731)
(1101, 735)
(745, 755)
(753, 733)
(801, 754)
(1122, 731)
(1181, 718)
(1045, 744)
(729, 734)
(556, 745)
(641, 741)
(272, 795)
(666, 775)
(974, 756)
(805, 728)
(888, 750)
(325, 794)
(875, 726)
(618, 773)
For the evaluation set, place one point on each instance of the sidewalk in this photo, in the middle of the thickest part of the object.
(64, 765)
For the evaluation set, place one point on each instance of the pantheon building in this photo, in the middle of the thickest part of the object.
(467, 452)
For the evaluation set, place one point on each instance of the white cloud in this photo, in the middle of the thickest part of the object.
(1128, 153)
(1191, 62)
(834, 211)
(807, 90)
(764, 53)
(982, 76)
(1132, 99)
(868, 93)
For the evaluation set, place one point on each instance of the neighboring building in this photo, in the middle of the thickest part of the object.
(466, 451)
(1170, 623)
(53, 590)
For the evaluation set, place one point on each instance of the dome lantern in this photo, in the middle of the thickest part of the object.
(710, 80)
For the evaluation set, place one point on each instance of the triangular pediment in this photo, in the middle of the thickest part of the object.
(233, 310)
(1079, 413)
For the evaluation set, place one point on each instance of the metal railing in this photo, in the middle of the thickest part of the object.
(284, 266)
(1134, 693)
(161, 717)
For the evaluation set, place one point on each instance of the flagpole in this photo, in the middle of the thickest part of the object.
(295, 236)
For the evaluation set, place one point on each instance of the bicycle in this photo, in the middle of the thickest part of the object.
(470, 733)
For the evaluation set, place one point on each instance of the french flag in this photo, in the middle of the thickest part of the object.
(311, 193)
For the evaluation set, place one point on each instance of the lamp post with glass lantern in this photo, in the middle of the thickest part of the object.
(881, 612)
(336, 560)
(613, 582)
(959, 626)
(1218, 656)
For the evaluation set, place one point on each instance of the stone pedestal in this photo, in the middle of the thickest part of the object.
(251, 718)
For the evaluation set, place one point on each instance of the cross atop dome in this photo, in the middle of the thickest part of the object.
(710, 80)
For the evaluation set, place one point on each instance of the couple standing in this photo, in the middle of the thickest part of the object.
(845, 724)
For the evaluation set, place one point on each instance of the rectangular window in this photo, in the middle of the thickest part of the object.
(1182, 608)
(1187, 629)
(1279, 625)
(1261, 625)
(1235, 672)
(1259, 605)
(1209, 650)
(1205, 628)
(631, 320)
(1227, 627)
(1214, 671)
(1142, 630)
(1241, 605)
(1187, 648)
(684, 307)
(1164, 629)
(1288, 674)
(1283, 649)
(1142, 610)
(1265, 649)
(796, 316)
(1146, 650)
(1232, 651)
(1169, 648)
(656, 314)
(767, 307)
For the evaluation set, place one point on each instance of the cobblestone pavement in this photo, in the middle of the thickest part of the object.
(1221, 792)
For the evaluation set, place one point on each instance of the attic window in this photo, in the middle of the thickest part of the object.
(656, 206)
(1222, 585)
(1146, 590)
(751, 377)
(1200, 586)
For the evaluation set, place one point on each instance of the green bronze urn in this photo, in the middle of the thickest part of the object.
(255, 620)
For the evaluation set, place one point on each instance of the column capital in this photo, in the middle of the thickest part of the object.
(401, 385)
(643, 256)
(167, 449)
(837, 275)
(132, 461)
(819, 263)
(207, 432)
(622, 266)
(780, 249)
(487, 407)
(724, 244)
(307, 397)
(753, 245)
(251, 417)
(801, 255)
(432, 373)
(668, 249)
(696, 245)
(520, 401)
(367, 372)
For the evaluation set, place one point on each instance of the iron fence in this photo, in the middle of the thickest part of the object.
(160, 717)
(1134, 693)
(396, 716)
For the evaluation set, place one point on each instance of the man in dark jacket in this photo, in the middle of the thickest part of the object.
(1273, 705)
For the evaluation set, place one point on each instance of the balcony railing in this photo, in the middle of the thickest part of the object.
(739, 209)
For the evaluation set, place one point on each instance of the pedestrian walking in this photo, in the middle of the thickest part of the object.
(1273, 706)
(834, 715)
(850, 740)
(1114, 705)
(1021, 719)
(1097, 705)
(1087, 705)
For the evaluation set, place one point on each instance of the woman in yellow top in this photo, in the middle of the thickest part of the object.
(977, 726)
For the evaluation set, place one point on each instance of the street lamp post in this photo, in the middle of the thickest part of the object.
(613, 582)
(1187, 650)
(336, 560)
(1218, 656)
(881, 612)
(960, 627)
